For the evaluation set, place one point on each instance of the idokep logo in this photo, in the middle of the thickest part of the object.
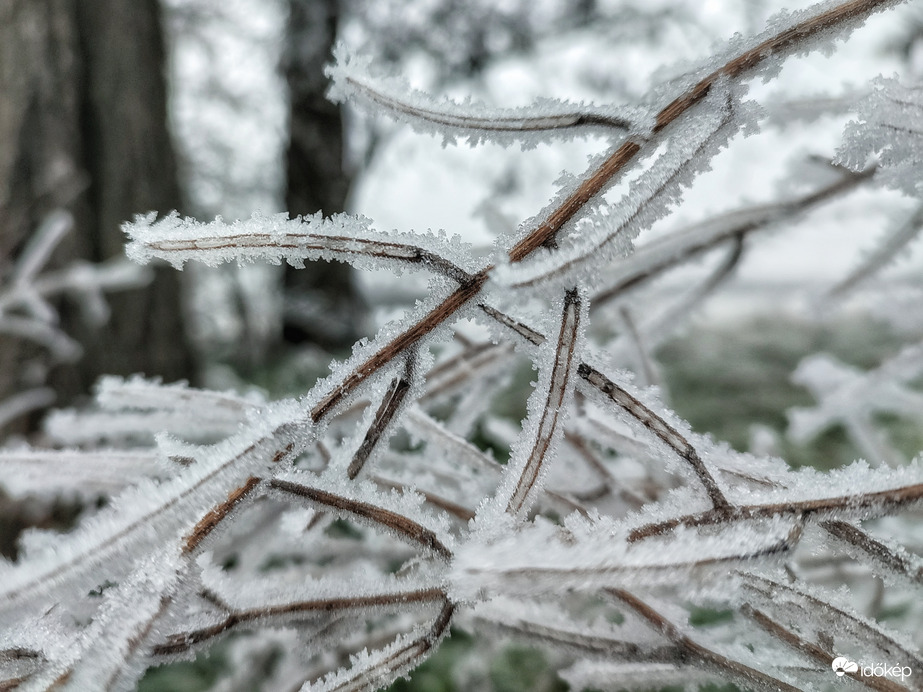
(842, 665)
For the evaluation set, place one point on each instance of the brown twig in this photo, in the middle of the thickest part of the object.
(551, 412)
(697, 653)
(663, 186)
(390, 405)
(866, 505)
(513, 122)
(367, 513)
(453, 508)
(884, 556)
(660, 429)
(210, 521)
(631, 405)
(814, 651)
(183, 641)
(393, 349)
(835, 617)
(413, 652)
(313, 242)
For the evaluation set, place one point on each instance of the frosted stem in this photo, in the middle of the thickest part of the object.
(706, 657)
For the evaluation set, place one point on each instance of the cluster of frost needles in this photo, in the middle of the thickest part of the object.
(350, 529)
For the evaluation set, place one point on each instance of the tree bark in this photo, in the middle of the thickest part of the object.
(324, 306)
(83, 122)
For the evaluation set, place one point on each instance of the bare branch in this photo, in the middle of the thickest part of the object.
(778, 594)
(631, 405)
(394, 348)
(219, 513)
(340, 237)
(700, 654)
(390, 405)
(892, 559)
(785, 41)
(397, 658)
(860, 505)
(478, 118)
(548, 425)
(182, 641)
(814, 651)
(368, 513)
(662, 430)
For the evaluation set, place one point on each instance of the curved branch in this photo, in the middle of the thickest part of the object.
(367, 513)
(477, 119)
(633, 407)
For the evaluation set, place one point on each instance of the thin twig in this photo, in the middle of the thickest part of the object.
(696, 652)
(631, 405)
(814, 651)
(688, 243)
(500, 121)
(183, 641)
(390, 405)
(368, 513)
(552, 409)
(836, 618)
(662, 430)
(219, 513)
(889, 559)
(866, 505)
(393, 349)
(415, 651)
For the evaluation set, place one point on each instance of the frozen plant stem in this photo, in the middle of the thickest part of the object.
(359, 549)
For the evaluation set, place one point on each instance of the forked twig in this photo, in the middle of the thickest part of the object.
(631, 405)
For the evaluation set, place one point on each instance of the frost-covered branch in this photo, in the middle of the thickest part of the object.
(342, 237)
(354, 81)
(397, 497)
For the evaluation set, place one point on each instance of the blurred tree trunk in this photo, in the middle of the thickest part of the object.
(83, 128)
(323, 305)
